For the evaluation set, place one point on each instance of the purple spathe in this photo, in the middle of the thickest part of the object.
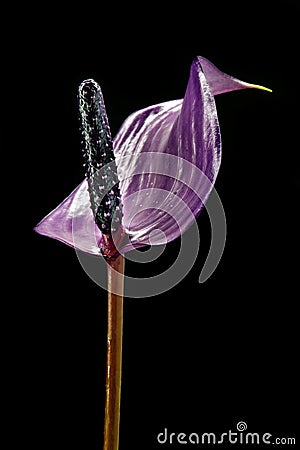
(168, 156)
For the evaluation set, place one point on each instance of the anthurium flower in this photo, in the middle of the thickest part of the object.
(167, 159)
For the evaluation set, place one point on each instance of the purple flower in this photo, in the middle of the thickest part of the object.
(167, 159)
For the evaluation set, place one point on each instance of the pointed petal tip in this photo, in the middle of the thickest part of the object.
(262, 88)
(219, 81)
(40, 229)
(36, 228)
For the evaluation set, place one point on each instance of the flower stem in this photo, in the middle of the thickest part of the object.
(115, 283)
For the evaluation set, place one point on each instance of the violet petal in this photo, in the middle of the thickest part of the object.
(189, 132)
(59, 223)
(168, 156)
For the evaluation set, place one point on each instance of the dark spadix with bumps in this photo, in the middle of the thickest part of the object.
(97, 148)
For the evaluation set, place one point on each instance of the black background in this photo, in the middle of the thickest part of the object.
(198, 358)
